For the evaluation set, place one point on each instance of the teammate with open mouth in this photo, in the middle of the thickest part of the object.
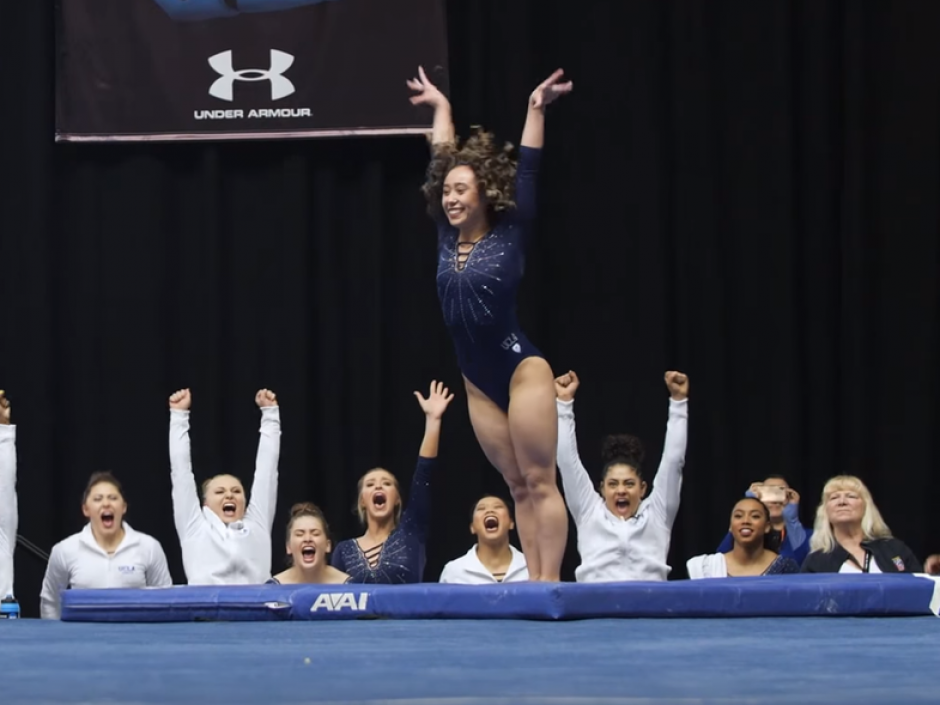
(623, 534)
(392, 549)
(225, 539)
(492, 559)
(308, 549)
(107, 553)
(754, 551)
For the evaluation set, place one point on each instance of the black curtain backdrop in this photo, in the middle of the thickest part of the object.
(743, 191)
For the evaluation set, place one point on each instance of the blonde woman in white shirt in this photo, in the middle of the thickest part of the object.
(107, 553)
(492, 559)
(8, 509)
(225, 539)
(623, 535)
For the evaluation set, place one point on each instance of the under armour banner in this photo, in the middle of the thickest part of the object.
(243, 69)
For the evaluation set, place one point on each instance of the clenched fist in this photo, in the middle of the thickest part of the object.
(181, 400)
(678, 385)
(5, 409)
(265, 397)
(566, 385)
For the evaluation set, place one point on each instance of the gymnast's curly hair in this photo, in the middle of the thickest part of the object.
(493, 166)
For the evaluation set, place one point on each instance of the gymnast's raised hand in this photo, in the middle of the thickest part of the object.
(549, 90)
(426, 92)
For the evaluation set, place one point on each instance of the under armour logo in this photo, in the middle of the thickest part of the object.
(223, 88)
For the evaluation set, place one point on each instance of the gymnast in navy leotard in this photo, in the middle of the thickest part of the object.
(392, 550)
(484, 203)
(477, 285)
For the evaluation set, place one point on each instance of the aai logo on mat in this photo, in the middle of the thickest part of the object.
(223, 88)
(335, 601)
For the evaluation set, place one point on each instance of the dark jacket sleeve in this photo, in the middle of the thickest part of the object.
(814, 563)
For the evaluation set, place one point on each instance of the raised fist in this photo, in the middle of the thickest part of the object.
(678, 385)
(5, 408)
(181, 400)
(265, 397)
(566, 385)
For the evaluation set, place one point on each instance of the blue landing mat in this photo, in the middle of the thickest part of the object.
(807, 661)
(771, 596)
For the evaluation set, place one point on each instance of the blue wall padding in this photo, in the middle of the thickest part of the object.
(784, 595)
(199, 10)
(196, 10)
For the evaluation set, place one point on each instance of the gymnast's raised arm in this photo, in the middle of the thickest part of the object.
(187, 509)
(581, 497)
(533, 138)
(426, 93)
(549, 90)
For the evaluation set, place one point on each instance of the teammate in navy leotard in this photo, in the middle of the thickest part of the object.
(484, 204)
(392, 550)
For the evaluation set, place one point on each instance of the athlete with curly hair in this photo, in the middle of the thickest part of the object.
(623, 534)
(484, 204)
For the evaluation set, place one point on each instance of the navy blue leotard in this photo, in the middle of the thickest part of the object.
(403, 555)
(478, 296)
